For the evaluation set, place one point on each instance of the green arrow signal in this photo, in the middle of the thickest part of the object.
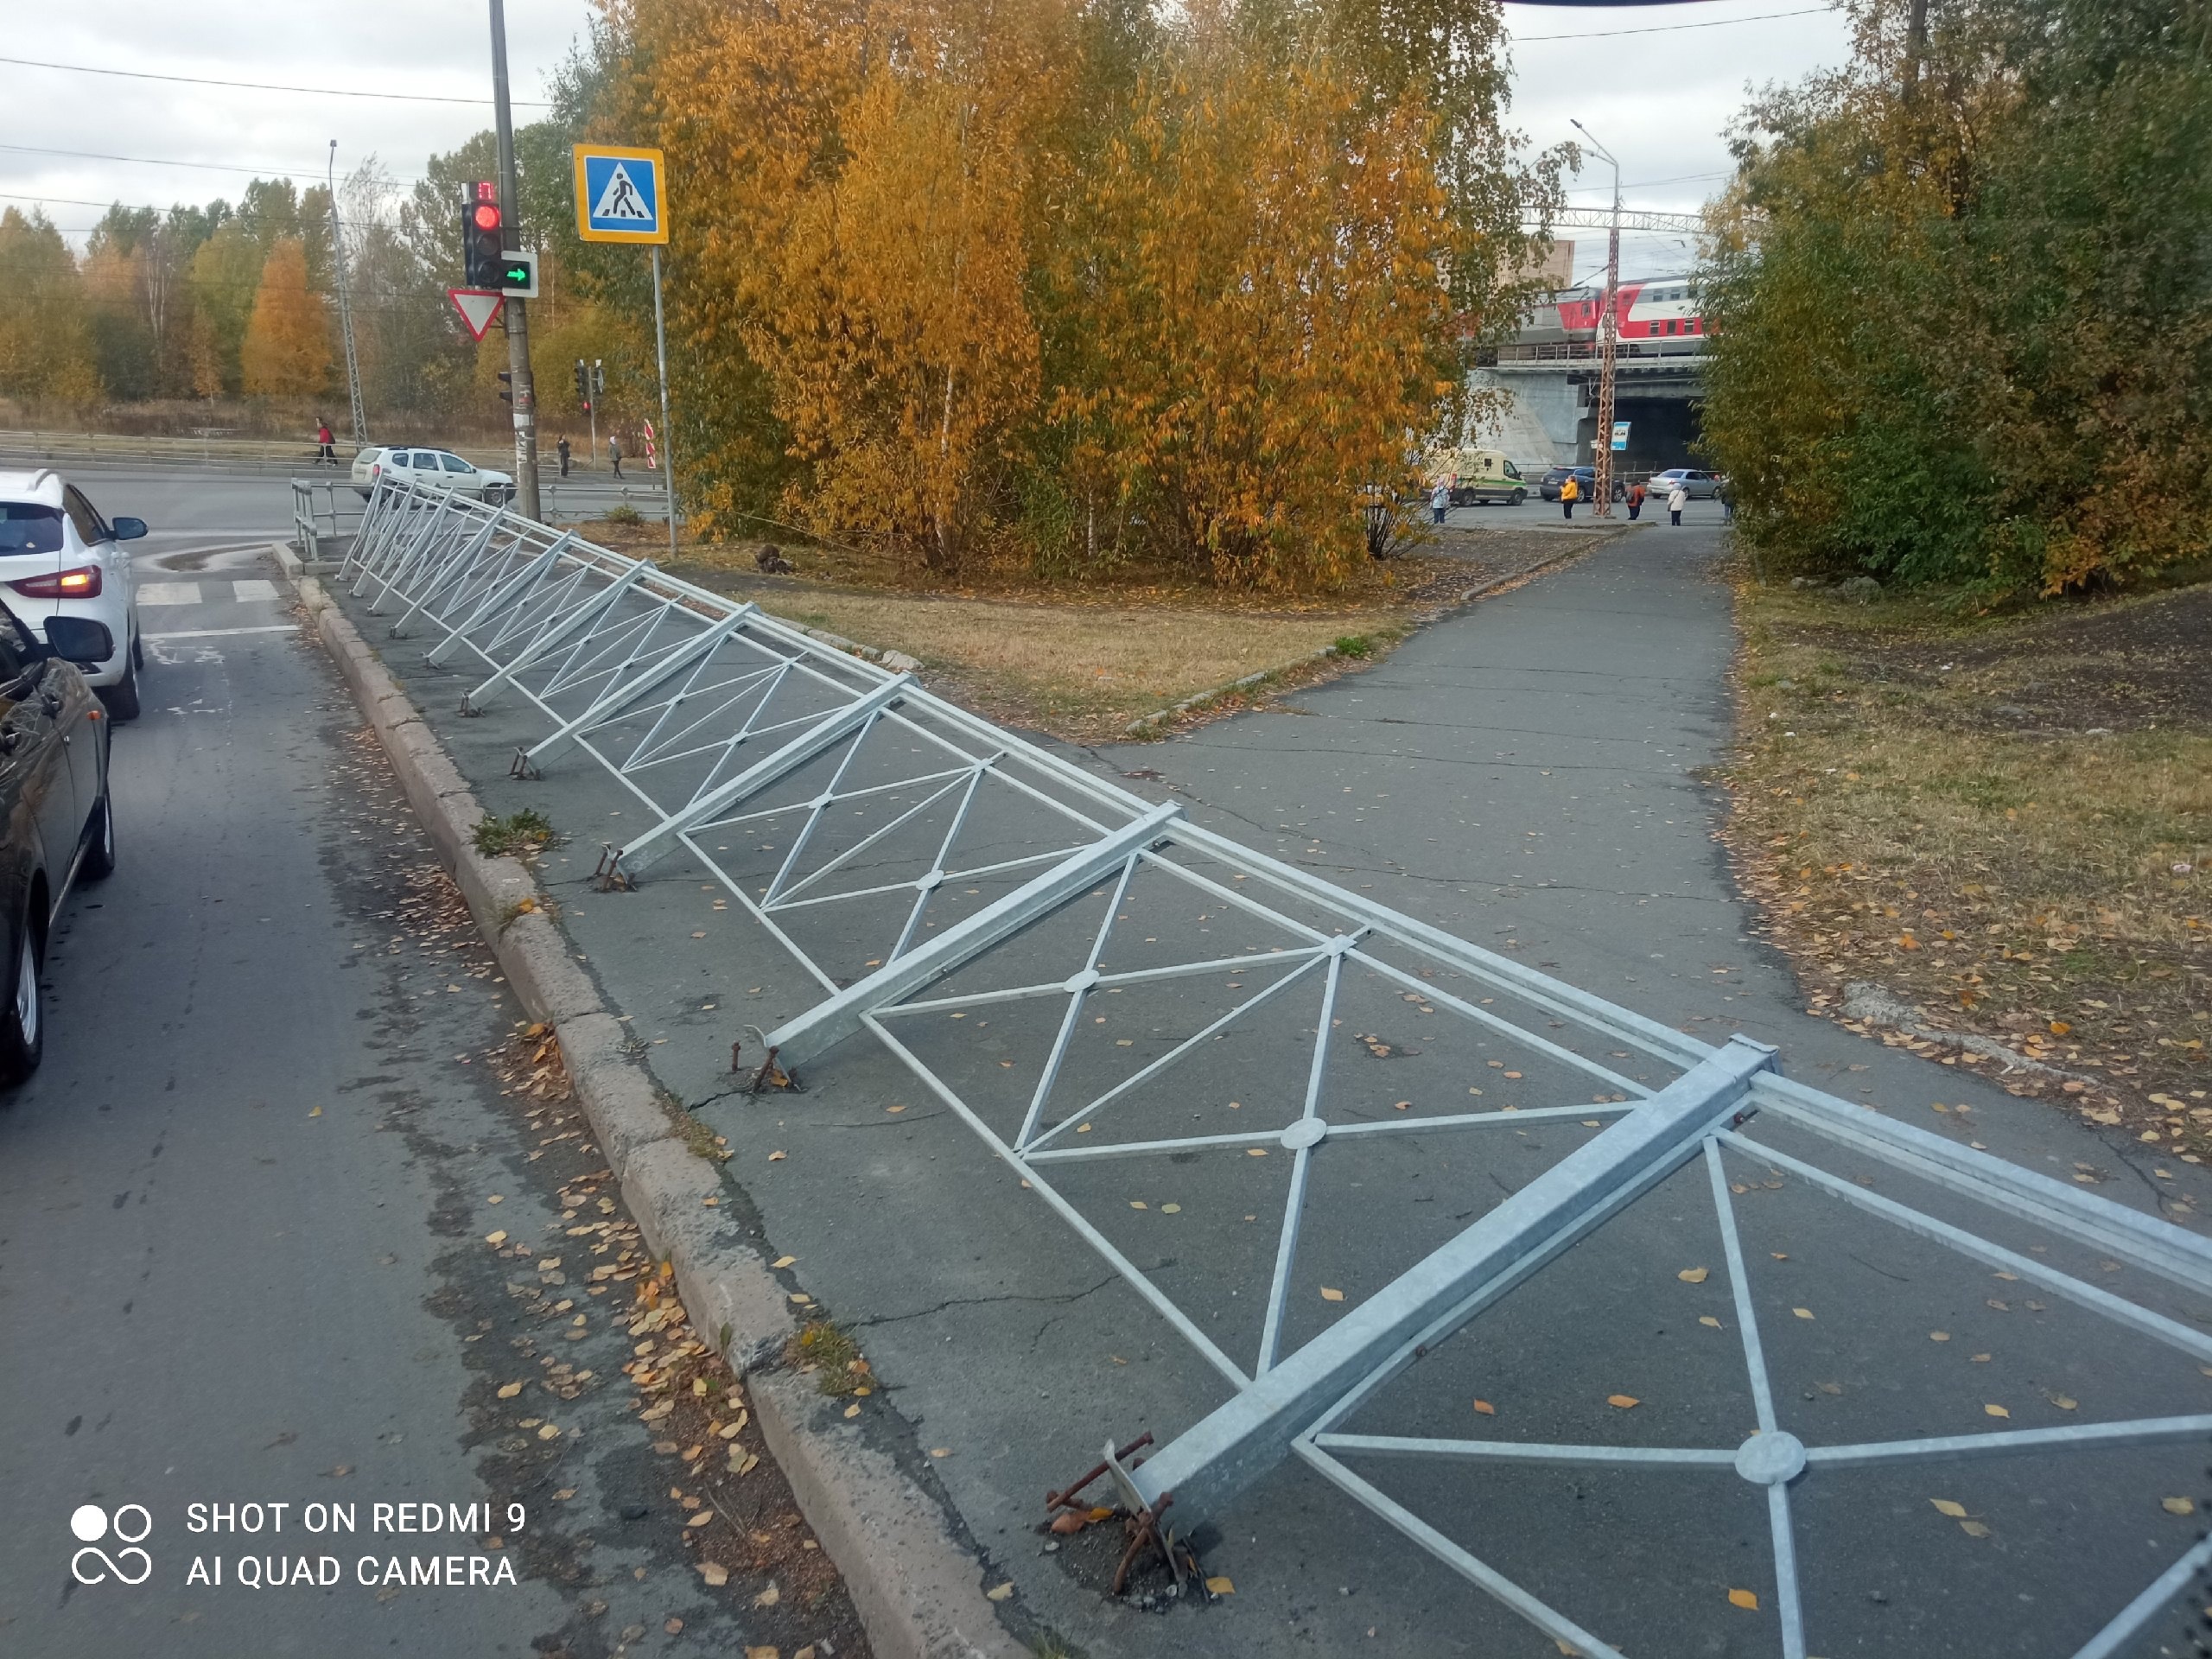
(517, 275)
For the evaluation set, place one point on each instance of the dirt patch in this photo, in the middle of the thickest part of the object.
(1986, 838)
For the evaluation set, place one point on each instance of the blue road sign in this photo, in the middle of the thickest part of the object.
(619, 194)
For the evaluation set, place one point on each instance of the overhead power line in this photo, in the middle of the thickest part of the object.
(1670, 28)
(256, 85)
(268, 168)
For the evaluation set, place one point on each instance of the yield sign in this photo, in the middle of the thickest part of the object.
(477, 306)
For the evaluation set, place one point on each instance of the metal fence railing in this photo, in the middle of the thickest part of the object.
(325, 514)
(1158, 993)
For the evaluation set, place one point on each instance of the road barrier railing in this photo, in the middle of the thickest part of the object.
(1092, 982)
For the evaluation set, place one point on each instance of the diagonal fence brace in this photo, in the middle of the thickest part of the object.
(831, 729)
(620, 693)
(1244, 1439)
(582, 619)
(835, 1018)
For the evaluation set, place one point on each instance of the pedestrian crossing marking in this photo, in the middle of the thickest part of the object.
(249, 591)
(620, 200)
(168, 592)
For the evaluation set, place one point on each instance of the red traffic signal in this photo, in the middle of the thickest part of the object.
(486, 215)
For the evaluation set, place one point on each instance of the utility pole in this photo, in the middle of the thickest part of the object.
(1608, 344)
(517, 320)
(346, 307)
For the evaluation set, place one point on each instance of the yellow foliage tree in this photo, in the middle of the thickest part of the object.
(286, 353)
(46, 347)
(904, 355)
(1273, 326)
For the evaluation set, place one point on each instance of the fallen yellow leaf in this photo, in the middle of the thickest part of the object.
(783, 1262)
(499, 1238)
(2177, 1505)
(1624, 1402)
(1973, 1528)
(852, 1411)
(1945, 1506)
(775, 1157)
(1694, 1276)
(1486, 1407)
(2064, 1403)
(1748, 1600)
(317, 1112)
(1001, 1591)
(1802, 1313)
(768, 1598)
(1707, 1318)
(714, 1572)
(508, 1390)
(1939, 1336)
(1996, 1411)
(1220, 1585)
(1329, 1295)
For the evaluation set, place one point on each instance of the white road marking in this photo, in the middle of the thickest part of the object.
(258, 588)
(219, 633)
(170, 592)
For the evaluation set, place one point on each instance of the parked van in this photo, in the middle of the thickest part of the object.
(1478, 476)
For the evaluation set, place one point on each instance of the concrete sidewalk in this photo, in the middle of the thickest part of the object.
(1525, 775)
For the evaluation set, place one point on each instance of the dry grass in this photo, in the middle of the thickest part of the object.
(2001, 821)
(1082, 671)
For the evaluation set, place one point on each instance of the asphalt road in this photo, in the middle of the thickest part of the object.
(1530, 776)
(240, 1250)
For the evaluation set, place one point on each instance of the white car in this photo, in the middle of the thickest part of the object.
(432, 469)
(59, 557)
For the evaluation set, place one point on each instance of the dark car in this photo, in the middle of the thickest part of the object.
(1585, 484)
(58, 828)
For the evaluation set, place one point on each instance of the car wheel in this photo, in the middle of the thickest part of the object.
(122, 697)
(100, 850)
(137, 650)
(1519, 496)
(22, 1018)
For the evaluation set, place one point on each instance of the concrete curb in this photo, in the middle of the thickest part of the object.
(918, 1589)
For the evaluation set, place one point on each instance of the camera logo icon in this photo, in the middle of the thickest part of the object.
(130, 1525)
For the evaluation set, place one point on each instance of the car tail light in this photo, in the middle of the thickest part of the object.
(83, 583)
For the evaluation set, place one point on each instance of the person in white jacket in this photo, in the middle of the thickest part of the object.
(1677, 498)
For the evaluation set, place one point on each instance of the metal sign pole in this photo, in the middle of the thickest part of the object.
(667, 435)
(517, 320)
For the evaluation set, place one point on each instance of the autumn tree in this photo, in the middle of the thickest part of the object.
(286, 350)
(45, 345)
(1961, 304)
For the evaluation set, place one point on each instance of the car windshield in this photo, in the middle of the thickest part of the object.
(28, 527)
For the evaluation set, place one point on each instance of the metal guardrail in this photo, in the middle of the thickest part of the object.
(938, 876)
(326, 512)
(47, 448)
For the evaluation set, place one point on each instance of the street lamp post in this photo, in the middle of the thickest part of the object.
(346, 307)
(1608, 341)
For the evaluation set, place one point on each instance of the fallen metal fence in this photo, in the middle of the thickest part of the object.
(963, 869)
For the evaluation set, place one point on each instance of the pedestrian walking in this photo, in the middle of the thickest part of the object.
(326, 447)
(1636, 501)
(1569, 493)
(1440, 499)
(1727, 501)
(561, 450)
(614, 453)
(1677, 498)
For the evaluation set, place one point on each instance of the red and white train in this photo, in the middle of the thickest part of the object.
(1658, 315)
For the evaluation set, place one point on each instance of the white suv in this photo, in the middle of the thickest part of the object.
(59, 557)
(432, 469)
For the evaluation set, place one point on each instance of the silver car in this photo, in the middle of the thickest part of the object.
(1698, 486)
(432, 469)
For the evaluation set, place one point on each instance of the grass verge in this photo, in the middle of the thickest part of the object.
(1999, 824)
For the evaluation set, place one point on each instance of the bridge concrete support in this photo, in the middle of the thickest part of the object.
(1542, 424)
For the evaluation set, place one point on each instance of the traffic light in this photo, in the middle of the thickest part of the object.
(483, 229)
(584, 386)
(598, 375)
(506, 380)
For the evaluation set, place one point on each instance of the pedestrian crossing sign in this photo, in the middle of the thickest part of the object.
(619, 194)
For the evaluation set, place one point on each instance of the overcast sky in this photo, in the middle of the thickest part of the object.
(1659, 97)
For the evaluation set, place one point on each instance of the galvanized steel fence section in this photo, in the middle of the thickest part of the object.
(971, 863)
